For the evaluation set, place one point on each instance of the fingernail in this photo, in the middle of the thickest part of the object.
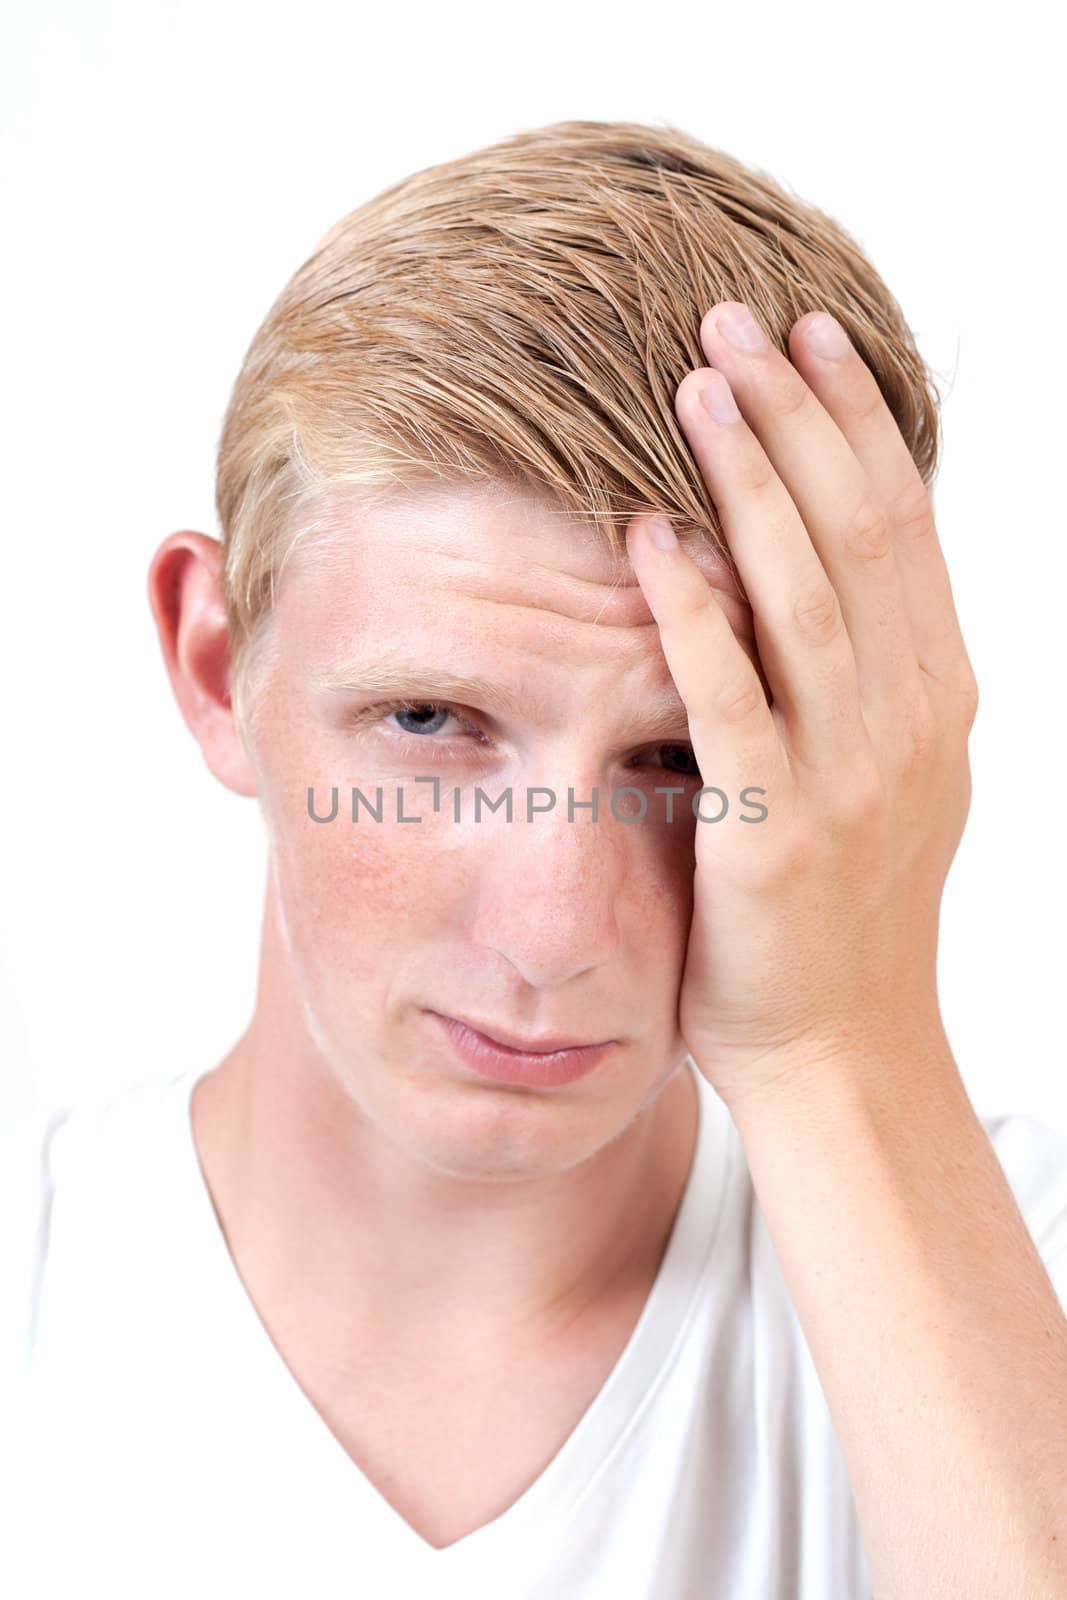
(826, 337)
(717, 399)
(739, 327)
(661, 533)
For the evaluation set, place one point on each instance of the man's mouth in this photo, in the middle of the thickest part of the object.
(543, 1061)
(538, 1045)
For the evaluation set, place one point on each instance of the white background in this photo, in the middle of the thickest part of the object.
(166, 167)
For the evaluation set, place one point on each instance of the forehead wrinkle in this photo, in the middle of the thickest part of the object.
(554, 576)
(544, 608)
(633, 611)
(626, 590)
(623, 591)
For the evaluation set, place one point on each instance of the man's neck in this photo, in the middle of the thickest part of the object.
(352, 1242)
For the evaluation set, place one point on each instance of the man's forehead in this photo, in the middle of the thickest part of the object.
(488, 541)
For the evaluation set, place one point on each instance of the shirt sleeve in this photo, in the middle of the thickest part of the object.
(1034, 1160)
(26, 1188)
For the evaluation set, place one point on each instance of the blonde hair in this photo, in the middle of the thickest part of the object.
(524, 314)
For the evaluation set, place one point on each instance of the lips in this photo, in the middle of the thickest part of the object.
(527, 1064)
(544, 1044)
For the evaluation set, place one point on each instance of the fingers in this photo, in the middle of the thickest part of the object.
(734, 734)
(848, 392)
(843, 517)
(803, 643)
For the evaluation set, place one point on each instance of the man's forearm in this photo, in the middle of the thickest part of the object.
(936, 1333)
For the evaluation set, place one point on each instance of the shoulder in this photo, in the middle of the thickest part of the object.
(28, 1144)
(51, 1145)
(59, 1164)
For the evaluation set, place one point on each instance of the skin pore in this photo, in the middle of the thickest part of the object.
(375, 1194)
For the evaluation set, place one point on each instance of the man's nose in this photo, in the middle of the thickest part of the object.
(548, 894)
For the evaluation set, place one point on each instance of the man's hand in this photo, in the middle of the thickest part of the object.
(809, 994)
(814, 933)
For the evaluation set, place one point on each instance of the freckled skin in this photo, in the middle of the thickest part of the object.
(343, 1100)
(546, 925)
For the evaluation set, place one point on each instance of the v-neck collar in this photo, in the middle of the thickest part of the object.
(526, 1535)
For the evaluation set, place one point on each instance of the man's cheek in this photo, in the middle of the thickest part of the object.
(659, 904)
(358, 891)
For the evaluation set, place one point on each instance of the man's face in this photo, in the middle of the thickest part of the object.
(539, 926)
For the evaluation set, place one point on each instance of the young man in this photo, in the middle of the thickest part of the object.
(592, 1206)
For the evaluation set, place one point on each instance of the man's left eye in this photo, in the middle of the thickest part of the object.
(684, 754)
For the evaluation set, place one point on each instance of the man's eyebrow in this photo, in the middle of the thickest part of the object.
(398, 681)
(661, 715)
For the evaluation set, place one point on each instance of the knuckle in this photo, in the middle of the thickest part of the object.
(912, 514)
(785, 859)
(754, 474)
(869, 537)
(866, 403)
(919, 737)
(817, 613)
(793, 859)
(967, 690)
(693, 602)
(862, 800)
(791, 397)
(739, 698)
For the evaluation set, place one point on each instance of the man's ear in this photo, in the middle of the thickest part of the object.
(185, 593)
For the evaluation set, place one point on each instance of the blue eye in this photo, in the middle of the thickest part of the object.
(425, 716)
(425, 719)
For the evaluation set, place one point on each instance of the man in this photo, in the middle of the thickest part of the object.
(592, 1205)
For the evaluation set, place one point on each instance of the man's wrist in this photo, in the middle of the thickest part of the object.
(884, 1074)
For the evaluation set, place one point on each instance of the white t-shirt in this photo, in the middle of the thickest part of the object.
(153, 1442)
